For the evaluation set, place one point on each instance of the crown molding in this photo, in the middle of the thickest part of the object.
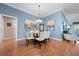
(29, 12)
(54, 12)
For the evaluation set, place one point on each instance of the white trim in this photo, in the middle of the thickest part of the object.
(56, 39)
(1, 27)
(32, 12)
(29, 12)
(16, 28)
(54, 12)
(15, 18)
(9, 38)
(20, 39)
(8, 16)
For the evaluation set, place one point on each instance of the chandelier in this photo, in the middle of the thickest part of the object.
(40, 19)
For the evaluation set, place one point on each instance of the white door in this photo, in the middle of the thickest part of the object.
(9, 28)
(15, 28)
(1, 28)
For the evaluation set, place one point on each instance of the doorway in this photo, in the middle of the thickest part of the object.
(9, 28)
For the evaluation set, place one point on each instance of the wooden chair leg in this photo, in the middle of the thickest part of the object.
(74, 41)
(45, 41)
(27, 43)
(39, 44)
(35, 42)
(68, 41)
(48, 40)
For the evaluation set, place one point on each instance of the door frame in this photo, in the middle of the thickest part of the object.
(1, 30)
(15, 18)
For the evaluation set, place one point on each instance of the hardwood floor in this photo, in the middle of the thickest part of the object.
(55, 48)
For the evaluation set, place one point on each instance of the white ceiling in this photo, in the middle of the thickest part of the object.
(46, 8)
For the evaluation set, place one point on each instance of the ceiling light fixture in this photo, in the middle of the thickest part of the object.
(40, 19)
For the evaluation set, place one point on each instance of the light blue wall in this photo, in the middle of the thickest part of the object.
(4, 9)
(58, 17)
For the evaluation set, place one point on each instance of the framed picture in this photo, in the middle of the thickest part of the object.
(9, 24)
(41, 27)
(51, 25)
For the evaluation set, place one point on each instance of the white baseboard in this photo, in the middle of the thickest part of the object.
(7, 38)
(13, 38)
(56, 39)
(20, 39)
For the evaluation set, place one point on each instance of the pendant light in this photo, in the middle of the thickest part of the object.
(39, 20)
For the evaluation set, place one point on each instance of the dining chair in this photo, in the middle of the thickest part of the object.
(29, 37)
(41, 39)
(29, 26)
